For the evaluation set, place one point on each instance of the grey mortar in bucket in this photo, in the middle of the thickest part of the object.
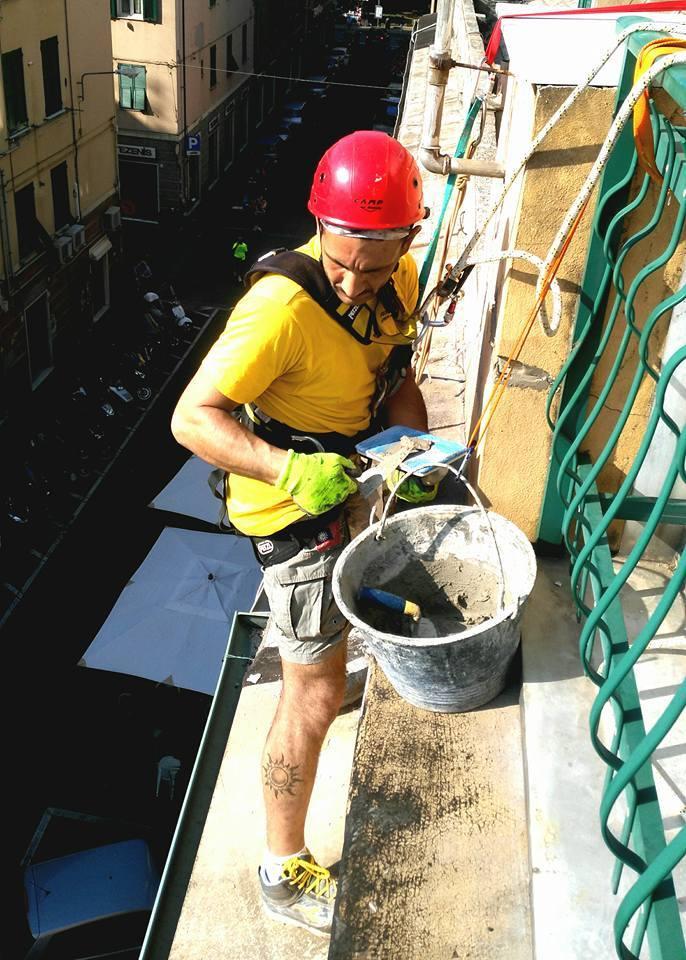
(471, 574)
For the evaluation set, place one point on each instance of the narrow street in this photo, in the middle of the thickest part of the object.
(86, 740)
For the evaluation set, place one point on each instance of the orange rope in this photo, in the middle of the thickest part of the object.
(478, 432)
(643, 129)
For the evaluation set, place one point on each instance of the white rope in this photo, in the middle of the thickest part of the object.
(666, 28)
(464, 260)
(623, 115)
(549, 327)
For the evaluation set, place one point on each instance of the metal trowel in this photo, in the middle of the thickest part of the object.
(410, 449)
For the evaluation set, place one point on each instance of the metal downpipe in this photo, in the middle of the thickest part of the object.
(440, 64)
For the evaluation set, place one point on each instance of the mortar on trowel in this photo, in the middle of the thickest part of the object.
(422, 455)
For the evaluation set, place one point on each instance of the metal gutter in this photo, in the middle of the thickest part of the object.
(177, 871)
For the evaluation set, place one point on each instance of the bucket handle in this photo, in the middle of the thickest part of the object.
(458, 474)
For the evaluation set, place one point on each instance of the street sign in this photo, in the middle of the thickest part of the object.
(126, 150)
(193, 145)
(378, 11)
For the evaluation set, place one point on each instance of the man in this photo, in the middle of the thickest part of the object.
(311, 359)
(239, 253)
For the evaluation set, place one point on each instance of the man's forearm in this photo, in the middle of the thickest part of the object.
(217, 437)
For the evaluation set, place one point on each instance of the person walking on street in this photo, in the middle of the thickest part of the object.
(317, 354)
(239, 253)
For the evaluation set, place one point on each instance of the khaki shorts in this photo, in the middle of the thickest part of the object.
(305, 621)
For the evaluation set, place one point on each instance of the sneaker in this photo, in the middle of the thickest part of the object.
(305, 896)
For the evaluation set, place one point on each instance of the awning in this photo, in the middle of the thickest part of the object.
(188, 493)
(171, 622)
(100, 248)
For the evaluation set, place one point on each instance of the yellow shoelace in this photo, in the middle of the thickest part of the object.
(310, 877)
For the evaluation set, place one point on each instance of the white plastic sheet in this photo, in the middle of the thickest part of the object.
(171, 621)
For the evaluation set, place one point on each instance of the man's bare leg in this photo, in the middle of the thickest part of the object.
(310, 699)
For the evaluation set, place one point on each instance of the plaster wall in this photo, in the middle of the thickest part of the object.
(513, 459)
(657, 287)
(83, 133)
(159, 47)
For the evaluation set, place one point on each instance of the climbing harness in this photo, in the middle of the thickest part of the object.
(359, 320)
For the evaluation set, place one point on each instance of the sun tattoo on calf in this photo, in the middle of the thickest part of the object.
(280, 777)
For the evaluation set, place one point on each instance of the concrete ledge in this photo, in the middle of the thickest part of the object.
(435, 862)
(573, 906)
(222, 914)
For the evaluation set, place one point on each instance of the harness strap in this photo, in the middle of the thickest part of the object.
(358, 319)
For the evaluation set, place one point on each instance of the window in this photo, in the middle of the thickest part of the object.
(15, 97)
(27, 228)
(131, 86)
(38, 339)
(52, 81)
(242, 132)
(228, 137)
(133, 9)
(213, 66)
(231, 63)
(244, 42)
(136, 10)
(213, 158)
(60, 195)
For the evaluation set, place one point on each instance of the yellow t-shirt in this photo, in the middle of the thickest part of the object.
(282, 351)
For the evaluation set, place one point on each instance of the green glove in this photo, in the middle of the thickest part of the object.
(316, 481)
(412, 490)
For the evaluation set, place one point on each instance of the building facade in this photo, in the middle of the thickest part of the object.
(59, 215)
(183, 99)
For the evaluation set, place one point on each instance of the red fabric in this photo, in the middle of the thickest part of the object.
(367, 180)
(660, 7)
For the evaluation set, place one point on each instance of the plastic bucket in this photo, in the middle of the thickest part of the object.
(470, 572)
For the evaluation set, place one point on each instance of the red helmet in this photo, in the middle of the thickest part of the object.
(367, 180)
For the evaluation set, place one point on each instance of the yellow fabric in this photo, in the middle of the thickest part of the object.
(282, 351)
(643, 130)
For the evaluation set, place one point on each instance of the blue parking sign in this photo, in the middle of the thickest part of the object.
(193, 145)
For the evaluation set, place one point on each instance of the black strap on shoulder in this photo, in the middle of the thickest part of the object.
(309, 274)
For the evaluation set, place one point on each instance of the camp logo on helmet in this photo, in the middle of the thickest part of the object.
(371, 205)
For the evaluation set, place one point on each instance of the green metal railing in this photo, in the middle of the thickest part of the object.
(609, 335)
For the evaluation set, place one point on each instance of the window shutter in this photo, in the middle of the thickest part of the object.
(52, 81)
(60, 195)
(139, 90)
(113, 9)
(15, 97)
(151, 10)
(125, 88)
(25, 213)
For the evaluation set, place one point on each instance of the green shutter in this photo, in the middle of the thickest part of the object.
(113, 9)
(132, 94)
(151, 10)
(125, 88)
(15, 97)
(52, 80)
(139, 90)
